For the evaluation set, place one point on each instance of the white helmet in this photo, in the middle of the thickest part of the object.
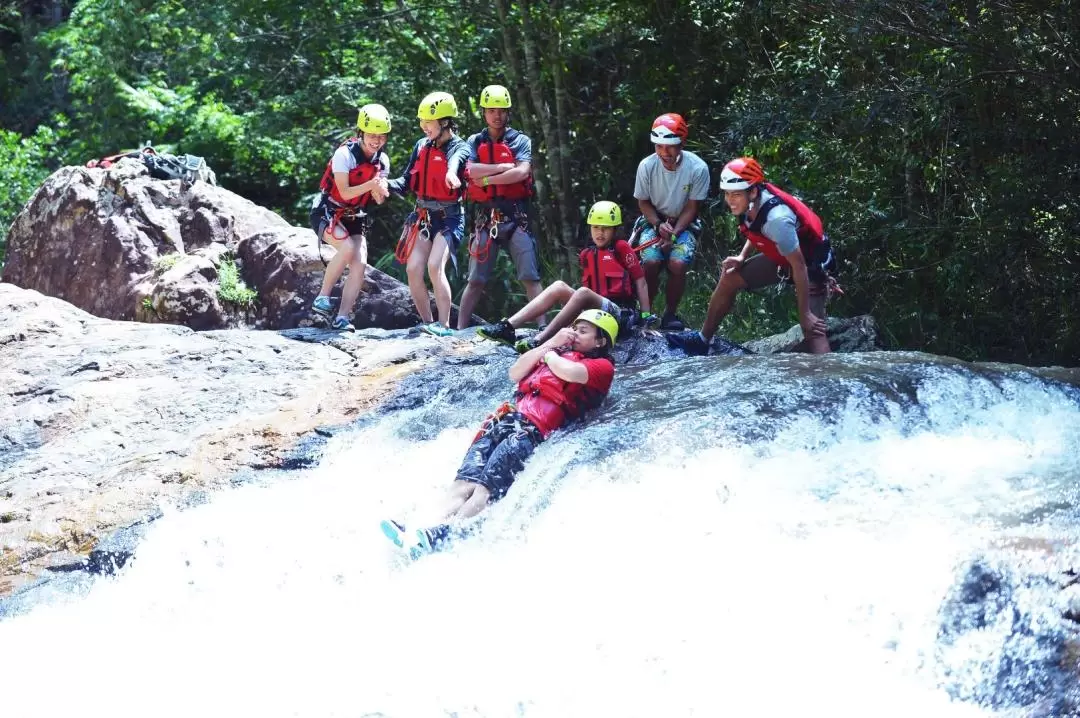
(663, 136)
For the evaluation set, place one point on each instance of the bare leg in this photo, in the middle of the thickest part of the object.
(469, 299)
(415, 271)
(583, 298)
(817, 344)
(652, 279)
(465, 499)
(532, 291)
(355, 281)
(476, 502)
(721, 302)
(336, 266)
(558, 292)
(436, 267)
(676, 284)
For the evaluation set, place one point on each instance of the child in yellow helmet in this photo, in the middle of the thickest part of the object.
(612, 280)
(557, 382)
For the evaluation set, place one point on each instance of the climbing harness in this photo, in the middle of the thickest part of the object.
(492, 419)
(420, 229)
(480, 247)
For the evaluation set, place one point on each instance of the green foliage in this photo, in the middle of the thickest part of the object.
(231, 287)
(167, 262)
(24, 164)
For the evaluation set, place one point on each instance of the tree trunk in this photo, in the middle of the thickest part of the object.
(551, 136)
(568, 215)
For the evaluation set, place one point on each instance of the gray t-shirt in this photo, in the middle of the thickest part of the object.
(668, 191)
(780, 226)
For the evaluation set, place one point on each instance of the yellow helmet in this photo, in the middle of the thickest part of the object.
(436, 106)
(374, 119)
(604, 214)
(606, 323)
(495, 96)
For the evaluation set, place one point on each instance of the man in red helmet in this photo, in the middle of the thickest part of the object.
(670, 185)
(793, 247)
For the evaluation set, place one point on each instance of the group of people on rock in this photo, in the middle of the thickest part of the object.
(566, 368)
(492, 171)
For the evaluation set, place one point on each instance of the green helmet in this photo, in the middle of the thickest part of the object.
(606, 323)
(604, 214)
(436, 106)
(374, 119)
(495, 96)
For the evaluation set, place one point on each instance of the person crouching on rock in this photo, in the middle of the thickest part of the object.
(355, 175)
(558, 381)
(435, 228)
(612, 278)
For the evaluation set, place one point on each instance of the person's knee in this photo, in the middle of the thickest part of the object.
(730, 283)
(651, 267)
(561, 289)
(415, 271)
(676, 266)
(586, 297)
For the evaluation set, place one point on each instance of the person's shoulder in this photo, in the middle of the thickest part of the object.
(621, 247)
(693, 161)
(475, 138)
(601, 372)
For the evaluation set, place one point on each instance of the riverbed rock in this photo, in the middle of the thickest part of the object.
(122, 245)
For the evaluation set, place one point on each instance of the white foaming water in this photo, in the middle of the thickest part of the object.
(722, 580)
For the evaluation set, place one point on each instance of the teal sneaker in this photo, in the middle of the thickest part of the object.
(437, 329)
(322, 306)
(342, 324)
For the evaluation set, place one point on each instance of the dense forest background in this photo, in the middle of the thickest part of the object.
(936, 139)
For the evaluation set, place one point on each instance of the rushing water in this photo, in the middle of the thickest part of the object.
(731, 536)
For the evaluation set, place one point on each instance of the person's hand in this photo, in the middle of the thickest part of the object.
(647, 320)
(732, 264)
(812, 325)
(381, 190)
(452, 181)
(563, 337)
(666, 231)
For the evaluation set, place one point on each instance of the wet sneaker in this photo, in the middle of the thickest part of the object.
(342, 324)
(322, 306)
(524, 345)
(409, 542)
(437, 329)
(672, 322)
(501, 331)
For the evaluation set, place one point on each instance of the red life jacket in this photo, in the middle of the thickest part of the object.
(808, 226)
(365, 171)
(490, 152)
(602, 272)
(549, 402)
(427, 179)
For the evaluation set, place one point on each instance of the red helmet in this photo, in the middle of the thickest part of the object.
(741, 173)
(669, 129)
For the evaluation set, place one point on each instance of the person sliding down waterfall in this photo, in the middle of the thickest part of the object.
(558, 381)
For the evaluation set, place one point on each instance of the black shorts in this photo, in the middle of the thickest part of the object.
(495, 459)
(323, 214)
